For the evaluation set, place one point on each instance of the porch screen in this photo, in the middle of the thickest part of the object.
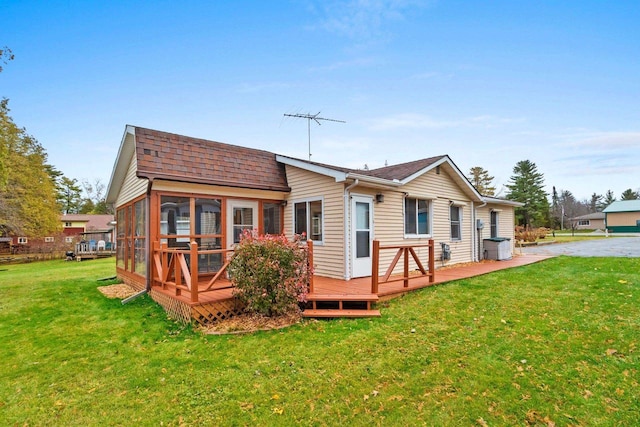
(199, 219)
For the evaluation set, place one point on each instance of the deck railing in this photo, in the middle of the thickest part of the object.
(178, 269)
(403, 251)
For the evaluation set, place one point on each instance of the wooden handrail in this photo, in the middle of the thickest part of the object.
(402, 251)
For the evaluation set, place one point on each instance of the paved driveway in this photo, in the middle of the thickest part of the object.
(611, 246)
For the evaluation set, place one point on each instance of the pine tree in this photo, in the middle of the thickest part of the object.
(629, 194)
(481, 179)
(527, 186)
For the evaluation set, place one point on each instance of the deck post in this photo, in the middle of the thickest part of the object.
(310, 264)
(406, 267)
(432, 263)
(375, 266)
(193, 257)
(155, 248)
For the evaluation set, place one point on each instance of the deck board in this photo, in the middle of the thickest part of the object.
(351, 289)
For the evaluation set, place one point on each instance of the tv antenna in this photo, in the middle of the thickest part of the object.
(315, 118)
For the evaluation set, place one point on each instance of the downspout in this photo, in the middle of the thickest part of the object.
(347, 241)
(148, 231)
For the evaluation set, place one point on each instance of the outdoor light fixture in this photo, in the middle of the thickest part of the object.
(379, 198)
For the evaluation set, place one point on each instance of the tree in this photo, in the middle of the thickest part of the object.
(95, 197)
(595, 203)
(527, 186)
(5, 56)
(608, 199)
(481, 179)
(27, 192)
(69, 195)
(629, 194)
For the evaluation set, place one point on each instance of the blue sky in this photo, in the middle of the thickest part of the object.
(489, 83)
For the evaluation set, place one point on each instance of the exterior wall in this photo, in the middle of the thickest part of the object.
(440, 189)
(506, 224)
(132, 186)
(623, 222)
(594, 224)
(328, 256)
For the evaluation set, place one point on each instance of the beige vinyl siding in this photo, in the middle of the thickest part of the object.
(132, 186)
(328, 255)
(506, 223)
(617, 219)
(439, 189)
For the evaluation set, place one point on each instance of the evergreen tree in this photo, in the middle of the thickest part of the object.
(595, 203)
(481, 179)
(607, 200)
(69, 195)
(527, 186)
(629, 194)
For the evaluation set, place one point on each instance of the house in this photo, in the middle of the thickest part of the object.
(592, 221)
(623, 216)
(76, 227)
(178, 192)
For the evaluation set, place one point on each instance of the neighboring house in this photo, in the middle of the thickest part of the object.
(88, 227)
(623, 216)
(592, 221)
(174, 190)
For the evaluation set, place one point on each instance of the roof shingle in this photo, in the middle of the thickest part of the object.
(182, 158)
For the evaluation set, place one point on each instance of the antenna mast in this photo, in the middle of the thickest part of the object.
(317, 119)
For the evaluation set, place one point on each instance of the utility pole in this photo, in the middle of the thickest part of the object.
(317, 119)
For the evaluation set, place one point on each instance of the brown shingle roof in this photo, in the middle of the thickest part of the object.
(181, 158)
(402, 170)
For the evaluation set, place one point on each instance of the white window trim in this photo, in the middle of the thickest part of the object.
(429, 220)
(460, 222)
(308, 200)
(23, 240)
(497, 214)
(49, 239)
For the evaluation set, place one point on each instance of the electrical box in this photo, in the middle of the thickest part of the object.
(445, 254)
(479, 224)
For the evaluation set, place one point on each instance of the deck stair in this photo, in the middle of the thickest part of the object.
(340, 305)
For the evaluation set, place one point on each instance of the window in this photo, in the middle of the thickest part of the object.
(49, 239)
(131, 252)
(67, 224)
(455, 217)
(68, 239)
(494, 224)
(416, 217)
(22, 240)
(271, 218)
(308, 219)
(584, 222)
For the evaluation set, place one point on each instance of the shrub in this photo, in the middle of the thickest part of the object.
(270, 273)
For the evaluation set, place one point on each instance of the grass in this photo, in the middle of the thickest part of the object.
(550, 342)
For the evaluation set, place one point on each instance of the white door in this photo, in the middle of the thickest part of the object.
(361, 235)
(241, 215)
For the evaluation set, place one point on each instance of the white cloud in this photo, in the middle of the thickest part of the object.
(364, 19)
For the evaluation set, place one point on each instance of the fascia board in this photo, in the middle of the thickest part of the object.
(120, 166)
(337, 175)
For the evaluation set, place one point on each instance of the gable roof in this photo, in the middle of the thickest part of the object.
(182, 158)
(623, 206)
(594, 215)
(388, 176)
(168, 156)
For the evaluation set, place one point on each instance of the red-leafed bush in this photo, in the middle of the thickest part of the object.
(270, 273)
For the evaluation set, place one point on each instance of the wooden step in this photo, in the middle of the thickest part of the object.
(340, 313)
(341, 297)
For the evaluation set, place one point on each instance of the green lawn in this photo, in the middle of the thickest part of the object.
(550, 342)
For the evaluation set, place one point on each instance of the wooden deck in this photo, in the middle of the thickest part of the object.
(330, 297)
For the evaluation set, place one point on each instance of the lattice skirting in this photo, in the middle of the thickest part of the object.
(175, 309)
(216, 311)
